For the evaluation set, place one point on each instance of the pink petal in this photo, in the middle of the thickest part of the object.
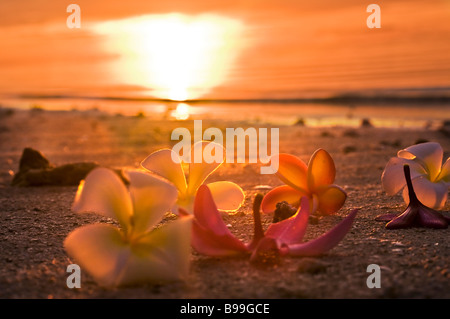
(325, 242)
(418, 215)
(210, 235)
(292, 171)
(291, 230)
(428, 154)
(393, 177)
(432, 219)
(430, 194)
(321, 170)
(405, 220)
(279, 194)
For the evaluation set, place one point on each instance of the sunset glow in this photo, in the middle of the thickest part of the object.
(176, 56)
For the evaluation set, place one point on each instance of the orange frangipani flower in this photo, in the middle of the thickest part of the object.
(314, 181)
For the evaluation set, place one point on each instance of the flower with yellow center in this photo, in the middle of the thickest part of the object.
(228, 196)
(315, 181)
(429, 177)
(135, 252)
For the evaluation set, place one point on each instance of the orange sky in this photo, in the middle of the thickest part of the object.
(282, 49)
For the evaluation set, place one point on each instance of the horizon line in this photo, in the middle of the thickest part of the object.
(344, 98)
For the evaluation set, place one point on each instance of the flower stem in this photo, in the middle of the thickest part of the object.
(411, 193)
(258, 230)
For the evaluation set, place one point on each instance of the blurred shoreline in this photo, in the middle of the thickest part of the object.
(387, 110)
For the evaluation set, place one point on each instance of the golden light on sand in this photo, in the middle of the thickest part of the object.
(176, 56)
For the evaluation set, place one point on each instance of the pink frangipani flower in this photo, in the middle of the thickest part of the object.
(211, 237)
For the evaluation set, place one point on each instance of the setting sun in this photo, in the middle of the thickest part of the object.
(176, 56)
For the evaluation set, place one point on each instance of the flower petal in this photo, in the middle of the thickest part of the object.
(430, 154)
(444, 175)
(210, 235)
(404, 220)
(279, 194)
(322, 244)
(292, 171)
(161, 163)
(431, 218)
(162, 255)
(331, 198)
(99, 250)
(291, 230)
(104, 192)
(152, 198)
(200, 167)
(321, 170)
(393, 177)
(430, 194)
(228, 196)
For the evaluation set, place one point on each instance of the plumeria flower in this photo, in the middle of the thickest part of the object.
(416, 214)
(211, 237)
(430, 178)
(314, 181)
(227, 195)
(135, 252)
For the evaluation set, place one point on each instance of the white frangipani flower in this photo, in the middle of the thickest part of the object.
(431, 179)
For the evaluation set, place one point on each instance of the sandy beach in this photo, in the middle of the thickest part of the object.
(35, 220)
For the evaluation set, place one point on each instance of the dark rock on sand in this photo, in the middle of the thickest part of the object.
(36, 170)
(65, 175)
(349, 149)
(300, 122)
(445, 128)
(366, 123)
(33, 159)
(283, 211)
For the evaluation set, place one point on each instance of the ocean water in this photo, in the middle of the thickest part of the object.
(319, 114)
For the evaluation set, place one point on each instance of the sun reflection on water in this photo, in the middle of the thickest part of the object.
(181, 112)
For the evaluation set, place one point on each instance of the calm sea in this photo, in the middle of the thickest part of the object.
(344, 113)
